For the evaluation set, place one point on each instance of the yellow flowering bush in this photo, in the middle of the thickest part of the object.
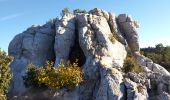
(2, 97)
(61, 77)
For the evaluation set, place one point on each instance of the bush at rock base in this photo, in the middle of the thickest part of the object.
(5, 75)
(131, 65)
(31, 77)
(68, 76)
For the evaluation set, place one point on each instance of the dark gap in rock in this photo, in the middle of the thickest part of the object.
(120, 28)
(76, 52)
(109, 23)
(154, 89)
(125, 96)
(52, 56)
(96, 87)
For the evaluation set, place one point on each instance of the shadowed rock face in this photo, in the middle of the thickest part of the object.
(35, 45)
(86, 36)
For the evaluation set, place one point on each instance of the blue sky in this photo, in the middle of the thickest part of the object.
(153, 16)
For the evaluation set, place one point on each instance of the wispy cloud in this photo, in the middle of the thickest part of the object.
(9, 17)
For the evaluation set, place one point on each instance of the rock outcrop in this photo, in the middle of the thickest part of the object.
(35, 45)
(101, 40)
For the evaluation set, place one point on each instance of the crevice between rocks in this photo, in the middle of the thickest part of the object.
(53, 26)
(76, 53)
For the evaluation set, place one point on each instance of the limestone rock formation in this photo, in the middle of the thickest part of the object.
(100, 40)
(35, 45)
(64, 38)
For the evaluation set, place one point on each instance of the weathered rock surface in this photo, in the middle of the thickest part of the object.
(101, 60)
(101, 56)
(64, 38)
(128, 27)
(35, 45)
(135, 91)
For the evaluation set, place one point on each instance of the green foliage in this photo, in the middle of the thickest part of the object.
(79, 11)
(160, 45)
(155, 57)
(62, 77)
(154, 85)
(5, 75)
(65, 11)
(131, 65)
(31, 77)
(51, 21)
(112, 38)
(159, 54)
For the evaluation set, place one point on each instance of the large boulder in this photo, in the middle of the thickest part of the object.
(100, 40)
(35, 45)
(128, 27)
(101, 57)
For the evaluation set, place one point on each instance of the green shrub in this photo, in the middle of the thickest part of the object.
(131, 65)
(62, 77)
(51, 21)
(31, 77)
(112, 37)
(79, 11)
(5, 75)
(159, 54)
(65, 11)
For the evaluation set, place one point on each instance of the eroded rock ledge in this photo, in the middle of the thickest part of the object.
(86, 36)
